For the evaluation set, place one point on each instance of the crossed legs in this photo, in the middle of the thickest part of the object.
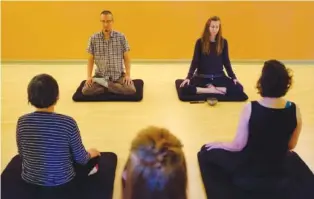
(100, 86)
(220, 85)
(210, 88)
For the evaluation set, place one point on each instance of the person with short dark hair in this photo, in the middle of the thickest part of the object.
(260, 157)
(49, 143)
(206, 74)
(109, 51)
(275, 80)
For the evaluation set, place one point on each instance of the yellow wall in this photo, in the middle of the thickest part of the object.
(158, 30)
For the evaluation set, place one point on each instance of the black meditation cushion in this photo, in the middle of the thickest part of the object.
(99, 186)
(138, 96)
(218, 183)
(203, 97)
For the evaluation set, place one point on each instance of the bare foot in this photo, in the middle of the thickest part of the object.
(221, 90)
(217, 90)
(209, 85)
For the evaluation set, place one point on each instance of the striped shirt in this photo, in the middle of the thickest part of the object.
(108, 54)
(49, 144)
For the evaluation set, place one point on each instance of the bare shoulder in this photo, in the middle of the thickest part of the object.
(247, 106)
(297, 109)
(247, 109)
(298, 112)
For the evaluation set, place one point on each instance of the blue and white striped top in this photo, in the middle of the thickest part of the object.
(49, 144)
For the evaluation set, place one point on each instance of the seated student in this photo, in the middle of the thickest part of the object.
(108, 49)
(206, 74)
(259, 157)
(156, 167)
(49, 143)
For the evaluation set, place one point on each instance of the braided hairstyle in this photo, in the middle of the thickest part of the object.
(156, 167)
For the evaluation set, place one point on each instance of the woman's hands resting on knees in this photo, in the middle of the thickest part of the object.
(93, 153)
(186, 81)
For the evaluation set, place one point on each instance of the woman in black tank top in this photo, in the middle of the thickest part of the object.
(259, 162)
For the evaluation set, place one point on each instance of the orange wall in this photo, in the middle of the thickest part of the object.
(158, 30)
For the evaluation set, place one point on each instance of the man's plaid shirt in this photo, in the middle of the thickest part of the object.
(108, 54)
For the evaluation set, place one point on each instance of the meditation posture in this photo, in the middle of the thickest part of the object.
(260, 158)
(206, 74)
(49, 144)
(156, 167)
(109, 51)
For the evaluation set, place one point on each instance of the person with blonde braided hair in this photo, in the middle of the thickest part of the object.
(156, 167)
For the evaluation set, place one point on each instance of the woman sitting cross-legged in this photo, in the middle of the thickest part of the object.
(54, 160)
(156, 168)
(260, 160)
(206, 74)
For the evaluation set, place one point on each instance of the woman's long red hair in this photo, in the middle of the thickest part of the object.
(206, 37)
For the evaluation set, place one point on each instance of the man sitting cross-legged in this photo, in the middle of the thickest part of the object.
(108, 49)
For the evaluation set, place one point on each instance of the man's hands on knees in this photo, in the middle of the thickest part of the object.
(89, 82)
(93, 153)
(127, 80)
(185, 82)
(90, 65)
